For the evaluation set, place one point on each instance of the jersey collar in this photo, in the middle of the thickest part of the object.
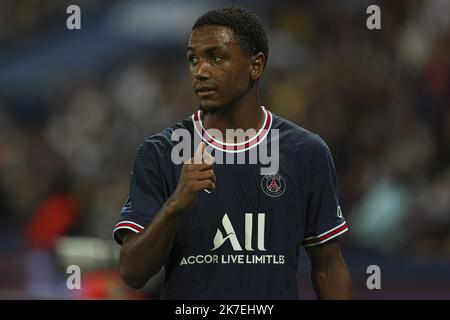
(233, 147)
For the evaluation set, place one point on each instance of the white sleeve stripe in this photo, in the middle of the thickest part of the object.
(325, 240)
(130, 222)
(321, 235)
(127, 227)
(122, 227)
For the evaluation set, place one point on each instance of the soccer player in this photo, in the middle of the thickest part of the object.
(221, 230)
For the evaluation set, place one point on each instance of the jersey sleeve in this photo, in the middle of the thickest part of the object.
(324, 219)
(145, 196)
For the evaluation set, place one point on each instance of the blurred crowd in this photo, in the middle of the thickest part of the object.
(381, 101)
(379, 98)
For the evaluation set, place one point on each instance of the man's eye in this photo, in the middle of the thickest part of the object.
(193, 60)
(216, 58)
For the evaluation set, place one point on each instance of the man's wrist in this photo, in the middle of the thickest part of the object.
(172, 209)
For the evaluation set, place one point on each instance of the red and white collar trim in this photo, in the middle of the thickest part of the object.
(233, 147)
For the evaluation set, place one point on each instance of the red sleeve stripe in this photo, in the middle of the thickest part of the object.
(128, 225)
(326, 232)
(324, 237)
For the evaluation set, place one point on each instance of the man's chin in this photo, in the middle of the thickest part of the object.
(210, 107)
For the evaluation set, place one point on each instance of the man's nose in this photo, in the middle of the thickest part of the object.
(202, 70)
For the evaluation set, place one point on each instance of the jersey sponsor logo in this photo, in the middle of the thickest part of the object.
(273, 185)
(219, 239)
(248, 257)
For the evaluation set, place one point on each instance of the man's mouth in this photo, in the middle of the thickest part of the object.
(205, 91)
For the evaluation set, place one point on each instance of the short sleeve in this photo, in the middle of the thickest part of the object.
(324, 219)
(145, 196)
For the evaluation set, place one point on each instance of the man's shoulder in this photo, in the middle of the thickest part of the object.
(296, 135)
(162, 140)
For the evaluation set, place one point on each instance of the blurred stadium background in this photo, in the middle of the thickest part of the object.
(74, 105)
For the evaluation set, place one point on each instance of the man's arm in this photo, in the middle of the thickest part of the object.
(142, 255)
(329, 273)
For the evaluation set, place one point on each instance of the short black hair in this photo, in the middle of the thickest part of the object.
(243, 22)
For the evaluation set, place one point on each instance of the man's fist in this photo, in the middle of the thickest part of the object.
(197, 174)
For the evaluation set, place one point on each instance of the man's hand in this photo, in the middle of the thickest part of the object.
(196, 175)
(143, 255)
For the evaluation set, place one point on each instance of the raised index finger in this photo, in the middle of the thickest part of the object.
(199, 153)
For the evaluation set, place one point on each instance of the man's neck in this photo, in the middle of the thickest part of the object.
(244, 115)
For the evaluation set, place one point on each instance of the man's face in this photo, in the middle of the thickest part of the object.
(220, 70)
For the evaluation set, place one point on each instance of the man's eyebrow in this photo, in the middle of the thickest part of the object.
(207, 50)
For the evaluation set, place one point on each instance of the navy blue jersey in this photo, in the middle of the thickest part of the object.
(242, 241)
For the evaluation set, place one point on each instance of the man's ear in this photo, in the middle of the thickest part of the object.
(257, 66)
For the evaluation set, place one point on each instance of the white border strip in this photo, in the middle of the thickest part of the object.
(131, 222)
(325, 240)
(127, 227)
(239, 143)
(321, 235)
(119, 227)
(234, 151)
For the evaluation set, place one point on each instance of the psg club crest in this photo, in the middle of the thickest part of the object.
(273, 185)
